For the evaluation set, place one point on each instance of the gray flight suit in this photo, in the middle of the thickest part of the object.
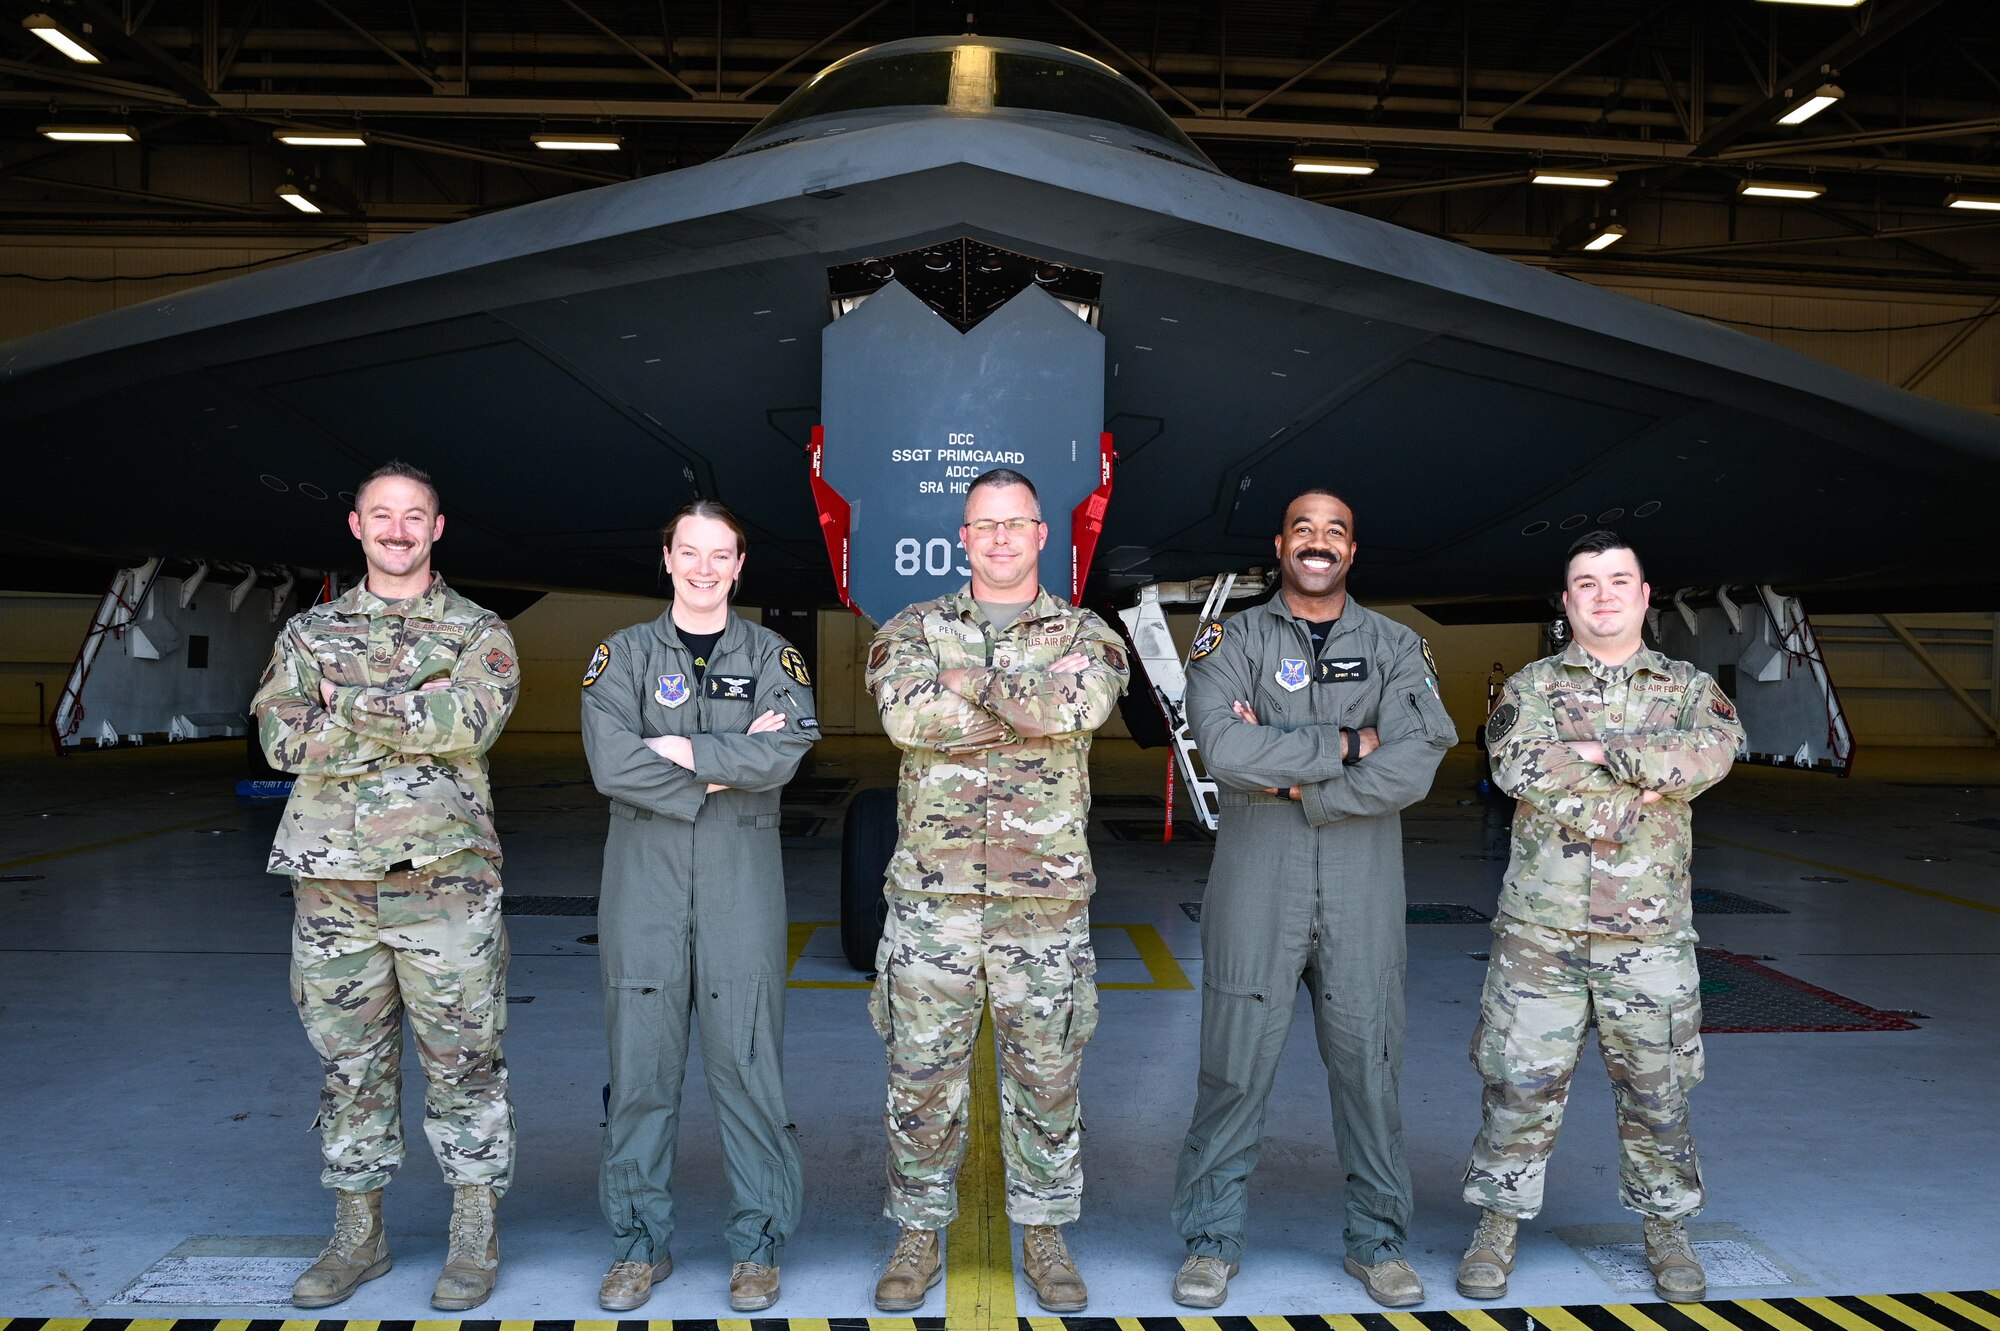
(692, 918)
(1311, 889)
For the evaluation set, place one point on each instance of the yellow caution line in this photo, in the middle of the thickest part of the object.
(1166, 973)
(1478, 1319)
(107, 844)
(979, 1245)
(1846, 872)
(1838, 1315)
(1636, 1318)
(1904, 1314)
(1702, 1313)
(1557, 1319)
(1971, 1312)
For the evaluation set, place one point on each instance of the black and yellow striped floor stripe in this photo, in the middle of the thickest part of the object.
(1966, 1310)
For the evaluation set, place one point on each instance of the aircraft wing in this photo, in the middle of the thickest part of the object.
(573, 370)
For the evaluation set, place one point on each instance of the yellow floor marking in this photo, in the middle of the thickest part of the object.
(1045, 1324)
(1635, 1318)
(1130, 1324)
(1715, 1321)
(1271, 1323)
(1764, 1312)
(1342, 1322)
(809, 1324)
(107, 844)
(1555, 1319)
(979, 1245)
(1833, 1312)
(1477, 1319)
(1846, 872)
(1198, 1324)
(892, 1324)
(797, 934)
(1166, 973)
(1903, 1313)
(1406, 1321)
(1972, 1312)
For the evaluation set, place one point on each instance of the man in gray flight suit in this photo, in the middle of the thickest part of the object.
(1321, 721)
(692, 724)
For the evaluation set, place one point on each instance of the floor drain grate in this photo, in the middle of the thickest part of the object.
(526, 905)
(1739, 994)
(1714, 901)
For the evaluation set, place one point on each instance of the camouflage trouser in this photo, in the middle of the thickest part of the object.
(942, 956)
(429, 940)
(1542, 987)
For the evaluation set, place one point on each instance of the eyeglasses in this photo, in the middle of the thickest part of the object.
(1012, 526)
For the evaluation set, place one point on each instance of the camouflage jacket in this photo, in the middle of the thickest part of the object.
(1589, 856)
(641, 684)
(1371, 671)
(387, 773)
(994, 793)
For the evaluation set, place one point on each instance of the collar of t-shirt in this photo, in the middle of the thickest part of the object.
(1320, 630)
(702, 645)
(1000, 614)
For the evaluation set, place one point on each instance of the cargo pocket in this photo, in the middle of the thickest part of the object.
(1690, 1064)
(637, 1017)
(1082, 997)
(1236, 1021)
(881, 1014)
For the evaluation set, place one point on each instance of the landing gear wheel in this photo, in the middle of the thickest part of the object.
(867, 840)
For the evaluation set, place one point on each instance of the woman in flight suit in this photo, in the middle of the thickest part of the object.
(693, 723)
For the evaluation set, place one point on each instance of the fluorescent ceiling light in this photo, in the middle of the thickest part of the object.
(57, 36)
(1775, 189)
(1822, 97)
(320, 138)
(1973, 203)
(583, 143)
(299, 199)
(1606, 238)
(1574, 179)
(89, 133)
(1335, 166)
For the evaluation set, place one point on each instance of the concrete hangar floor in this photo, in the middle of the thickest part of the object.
(157, 1091)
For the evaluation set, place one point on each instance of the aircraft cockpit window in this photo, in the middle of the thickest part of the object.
(919, 78)
(1036, 83)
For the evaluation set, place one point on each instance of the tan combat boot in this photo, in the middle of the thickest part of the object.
(753, 1286)
(473, 1260)
(1046, 1260)
(358, 1251)
(1489, 1258)
(627, 1285)
(913, 1268)
(1677, 1273)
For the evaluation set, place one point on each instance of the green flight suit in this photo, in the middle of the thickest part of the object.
(1311, 889)
(691, 919)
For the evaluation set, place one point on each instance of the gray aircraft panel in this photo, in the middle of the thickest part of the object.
(645, 339)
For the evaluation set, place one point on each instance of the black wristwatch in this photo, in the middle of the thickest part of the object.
(1352, 740)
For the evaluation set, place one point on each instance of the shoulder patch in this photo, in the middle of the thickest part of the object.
(1718, 702)
(1501, 722)
(1430, 662)
(499, 663)
(1207, 640)
(793, 663)
(878, 656)
(598, 660)
(1116, 656)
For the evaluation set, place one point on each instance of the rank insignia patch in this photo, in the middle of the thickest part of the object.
(1334, 671)
(793, 663)
(673, 690)
(1206, 640)
(733, 688)
(1291, 674)
(598, 660)
(1501, 722)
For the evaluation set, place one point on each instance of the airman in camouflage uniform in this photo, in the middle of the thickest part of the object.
(384, 702)
(993, 694)
(1603, 747)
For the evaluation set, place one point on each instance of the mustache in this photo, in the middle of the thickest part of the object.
(1317, 554)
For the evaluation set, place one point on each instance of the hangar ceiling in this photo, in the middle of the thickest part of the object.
(1674, 103)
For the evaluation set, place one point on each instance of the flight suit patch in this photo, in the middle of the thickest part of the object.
(734, 688)
(1291, 674)
(598, 660)
(1334, 670)
(673, 690)
(1206, 640)
(1501, 722)
(793, 663)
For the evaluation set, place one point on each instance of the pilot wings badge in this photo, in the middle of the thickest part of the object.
(1291, 674)
(673, 690)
